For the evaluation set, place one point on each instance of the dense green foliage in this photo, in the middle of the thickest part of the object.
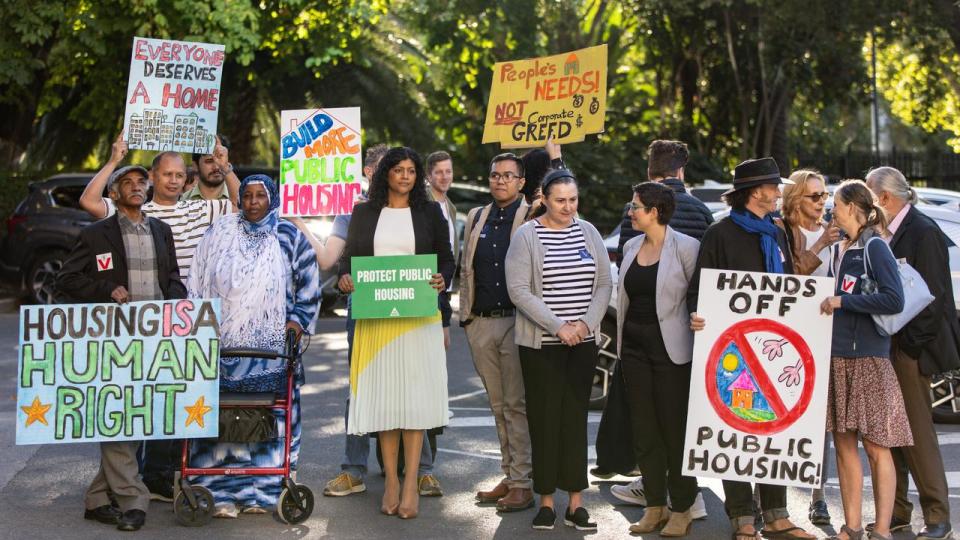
(733, 78)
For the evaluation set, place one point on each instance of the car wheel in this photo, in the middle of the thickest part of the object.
(607, 345)
(945, 396)
(43, 272)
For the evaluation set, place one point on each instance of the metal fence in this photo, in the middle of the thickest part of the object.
(922, 169)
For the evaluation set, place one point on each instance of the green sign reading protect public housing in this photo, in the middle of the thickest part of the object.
(393, 286)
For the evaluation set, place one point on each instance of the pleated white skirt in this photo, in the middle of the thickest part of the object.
(398, 375)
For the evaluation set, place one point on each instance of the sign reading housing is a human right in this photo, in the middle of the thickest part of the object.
(758, 389)
(393, 286)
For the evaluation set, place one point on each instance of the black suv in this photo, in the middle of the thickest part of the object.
(42, 231)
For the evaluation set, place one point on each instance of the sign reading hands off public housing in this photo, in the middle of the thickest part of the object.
(173, 95)
(563, 97)
(758, 385)
(109, 372)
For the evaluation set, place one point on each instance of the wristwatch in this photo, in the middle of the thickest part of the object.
(228, 170)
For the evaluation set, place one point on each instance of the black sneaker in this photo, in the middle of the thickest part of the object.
(579, 519)
(104, 514)
(896, 524)
(545, 519)
(819, 514)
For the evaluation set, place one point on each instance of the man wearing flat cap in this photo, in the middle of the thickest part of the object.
(127, 257)
(749, 240)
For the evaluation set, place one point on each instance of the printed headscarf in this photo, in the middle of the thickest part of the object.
(269, 222)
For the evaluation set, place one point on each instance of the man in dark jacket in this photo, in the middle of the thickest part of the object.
(127, 257)
(749, 240)
(927, 345)
(665, 163)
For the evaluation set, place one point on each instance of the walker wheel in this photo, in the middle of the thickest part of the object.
(189, 516)
(288, 509)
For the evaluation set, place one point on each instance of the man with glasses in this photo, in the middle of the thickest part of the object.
(487, 315)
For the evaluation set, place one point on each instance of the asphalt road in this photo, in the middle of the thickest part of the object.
(41, 487)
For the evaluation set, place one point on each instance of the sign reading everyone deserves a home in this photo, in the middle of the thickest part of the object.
(109, 372)
(561, 97)
(758, 385)
(173, 95)
(393, 286)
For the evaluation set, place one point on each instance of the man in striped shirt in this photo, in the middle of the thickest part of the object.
(188, 220)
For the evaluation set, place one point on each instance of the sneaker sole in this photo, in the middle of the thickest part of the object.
(543, 527)
(578, 527)
(431, 494)
(947, 537)
(356, 489)
(629, 499)
(160, 498)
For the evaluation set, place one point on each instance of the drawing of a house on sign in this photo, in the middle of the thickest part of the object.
(742, 389)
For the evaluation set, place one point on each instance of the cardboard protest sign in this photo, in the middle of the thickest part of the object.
(562, 96)
(173, 95)
(393, 286)
(321, 164)
(761, 369)
(109, 372)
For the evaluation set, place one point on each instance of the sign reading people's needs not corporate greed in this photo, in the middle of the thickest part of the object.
(173, 95)
(321, 163)
(108, 372)
(562, 97)
(393, 286)
(758, 388)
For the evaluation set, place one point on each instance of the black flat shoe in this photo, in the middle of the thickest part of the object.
(579, 519)
(132, 520)
(545, 519)
(819, 514)
(935, 532)
(104, 514)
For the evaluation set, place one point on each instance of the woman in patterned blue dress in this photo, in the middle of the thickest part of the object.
(265, 273)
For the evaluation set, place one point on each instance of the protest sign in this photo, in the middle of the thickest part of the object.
(393, 286)
(109, 372)
(173, 95)
(563, 97)
(758, 388)
(321, 164)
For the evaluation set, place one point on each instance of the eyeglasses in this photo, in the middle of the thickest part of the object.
(507, 177)
(821, 196)
(633, 207)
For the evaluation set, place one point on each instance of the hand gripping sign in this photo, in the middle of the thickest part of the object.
(759, 381)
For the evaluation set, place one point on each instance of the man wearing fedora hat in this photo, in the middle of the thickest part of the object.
(749, 240)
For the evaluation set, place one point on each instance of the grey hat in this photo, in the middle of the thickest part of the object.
(119, 173)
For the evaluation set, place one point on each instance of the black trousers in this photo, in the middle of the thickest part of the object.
(657, 391)
(557, 381)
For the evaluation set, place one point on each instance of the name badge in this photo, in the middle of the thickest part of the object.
(585, 255)
(848, 283)
(104, 262)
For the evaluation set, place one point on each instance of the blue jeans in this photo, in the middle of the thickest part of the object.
(357, 446)
(427, 457)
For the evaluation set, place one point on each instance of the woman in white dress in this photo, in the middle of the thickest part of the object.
(398, 375)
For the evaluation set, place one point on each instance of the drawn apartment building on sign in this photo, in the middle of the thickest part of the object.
(153, 131)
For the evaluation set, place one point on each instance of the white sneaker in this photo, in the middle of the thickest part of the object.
(699, 509)
(226, 510)
(631, 493)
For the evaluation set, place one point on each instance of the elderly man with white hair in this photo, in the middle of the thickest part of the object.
(926, 346)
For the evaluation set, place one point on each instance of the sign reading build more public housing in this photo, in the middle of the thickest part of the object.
(562, 97)
(321, 163)
(758, 386)
(109, 372)
(173, 95)
(393, 286)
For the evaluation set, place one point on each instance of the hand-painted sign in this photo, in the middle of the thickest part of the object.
(108, 372)
(321, 164)
(173, 95)
(393, 286)
(563, 97)
(759, 381)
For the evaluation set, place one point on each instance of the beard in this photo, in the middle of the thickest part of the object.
(213, 180)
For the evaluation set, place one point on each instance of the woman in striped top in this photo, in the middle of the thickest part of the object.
(558, 278)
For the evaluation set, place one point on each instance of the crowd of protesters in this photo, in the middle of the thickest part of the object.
(534, 286)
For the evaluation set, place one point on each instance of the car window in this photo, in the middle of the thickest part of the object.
(952, 230)
(67, 196)
(708, 194)
(466, 199)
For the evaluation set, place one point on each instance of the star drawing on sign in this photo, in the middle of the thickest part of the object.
(36, 412)
(196, 412)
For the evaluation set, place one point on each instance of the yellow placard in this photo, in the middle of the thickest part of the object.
(562, 96)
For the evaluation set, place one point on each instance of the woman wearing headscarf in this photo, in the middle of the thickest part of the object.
(265, 273)
(398, 373)
(559, 280)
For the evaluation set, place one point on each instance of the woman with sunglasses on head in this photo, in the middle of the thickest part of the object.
(655, 346)
(810, 240)
(559, 280)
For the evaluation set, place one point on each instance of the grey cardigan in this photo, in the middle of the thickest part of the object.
(678, 259)
(524, 269)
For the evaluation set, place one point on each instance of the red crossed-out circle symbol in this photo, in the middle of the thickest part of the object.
(736, 334)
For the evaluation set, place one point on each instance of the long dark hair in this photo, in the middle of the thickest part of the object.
(379, 186)
(857, 193)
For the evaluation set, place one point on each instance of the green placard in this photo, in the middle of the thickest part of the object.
(393, 286)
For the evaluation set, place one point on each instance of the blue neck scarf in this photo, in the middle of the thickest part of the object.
(268, 223)
(767, 230)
